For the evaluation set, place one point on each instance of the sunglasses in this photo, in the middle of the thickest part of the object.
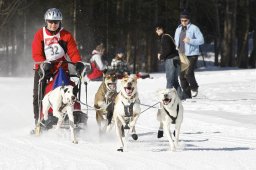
(183, 20)
(53, 21)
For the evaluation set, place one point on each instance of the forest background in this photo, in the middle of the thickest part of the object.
(228, 27)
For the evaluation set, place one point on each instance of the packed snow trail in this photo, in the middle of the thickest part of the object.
(218, 131)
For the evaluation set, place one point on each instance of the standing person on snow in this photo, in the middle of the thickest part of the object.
(51, 44)
(188, 37)
(97, 65)
(167, 52)
(119, 64)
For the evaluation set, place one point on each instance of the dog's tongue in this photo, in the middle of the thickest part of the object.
(128, 90)
(167, 101)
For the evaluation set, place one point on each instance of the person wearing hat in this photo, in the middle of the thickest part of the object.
(50, 46)
(119, 65)
(167, 52)
(188, 38)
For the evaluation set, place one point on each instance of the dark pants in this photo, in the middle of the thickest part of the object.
(187, 78)
(35, 94)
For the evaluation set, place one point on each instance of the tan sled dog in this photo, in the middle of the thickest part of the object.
(104, 100)
(170, 112)
(61, 100)
(126, 109)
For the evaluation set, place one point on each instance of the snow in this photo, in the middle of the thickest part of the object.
(218, 131)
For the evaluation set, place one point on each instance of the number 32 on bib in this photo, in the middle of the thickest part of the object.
(52, 48)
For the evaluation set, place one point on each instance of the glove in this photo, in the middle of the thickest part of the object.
(79, 68)
(45, 70)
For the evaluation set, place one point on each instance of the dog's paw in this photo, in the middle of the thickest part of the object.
(160, 133)
(173, 149)
(135, 136)
(75, 141)
(120, 150)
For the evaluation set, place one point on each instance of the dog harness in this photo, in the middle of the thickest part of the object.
(128, 109)
(172, 117)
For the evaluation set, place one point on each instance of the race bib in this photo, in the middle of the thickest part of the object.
(52, 48)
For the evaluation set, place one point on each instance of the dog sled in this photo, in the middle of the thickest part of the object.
(62, 78)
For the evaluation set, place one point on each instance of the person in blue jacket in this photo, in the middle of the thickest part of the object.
(188, 38)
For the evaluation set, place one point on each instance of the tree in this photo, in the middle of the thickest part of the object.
(242, 33)
(229, 36)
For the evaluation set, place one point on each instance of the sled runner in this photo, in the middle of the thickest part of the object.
(63, 78)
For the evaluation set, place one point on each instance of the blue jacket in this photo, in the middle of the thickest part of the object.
(195, 36)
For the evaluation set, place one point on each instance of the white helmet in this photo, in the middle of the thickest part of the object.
(53, 14)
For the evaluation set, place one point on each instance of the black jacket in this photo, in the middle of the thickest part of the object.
(167, 47)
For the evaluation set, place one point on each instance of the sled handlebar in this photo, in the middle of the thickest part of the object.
(69, 62)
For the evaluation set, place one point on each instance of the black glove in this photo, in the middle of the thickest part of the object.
(79, 68)
(45, 70)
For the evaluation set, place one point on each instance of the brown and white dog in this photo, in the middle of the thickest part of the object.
(170, 112)
(104, 100)
(61, 100)
(126, 109)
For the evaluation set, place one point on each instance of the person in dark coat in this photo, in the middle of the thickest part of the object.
(168, 53)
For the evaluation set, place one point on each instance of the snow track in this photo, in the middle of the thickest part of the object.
(218, 131)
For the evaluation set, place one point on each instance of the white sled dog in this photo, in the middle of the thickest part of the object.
(170, 112)
(126, 109)
(61, 100)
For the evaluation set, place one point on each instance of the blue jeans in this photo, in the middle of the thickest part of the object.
(172, 68)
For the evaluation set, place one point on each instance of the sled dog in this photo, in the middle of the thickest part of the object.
(170, 112)
(104, 100)
(126, 109)
(61, 100)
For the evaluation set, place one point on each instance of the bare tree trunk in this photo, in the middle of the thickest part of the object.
(217, 39)
(128, 39)
(252, 60)
(74, 18)
(7, 53)
(243, 31)
(228, 47)
(128, 47)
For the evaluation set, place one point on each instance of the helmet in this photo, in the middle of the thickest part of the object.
(53, 14)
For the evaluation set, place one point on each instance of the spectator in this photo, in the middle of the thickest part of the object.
(97, 64)
(188, 37)
(168, 53)
(119, 65)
